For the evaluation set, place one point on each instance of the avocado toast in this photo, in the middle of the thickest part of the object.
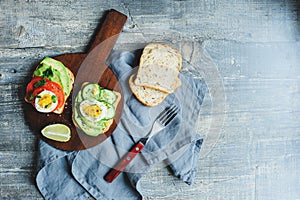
(51, 85)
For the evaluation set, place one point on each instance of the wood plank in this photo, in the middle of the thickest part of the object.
(17, 175)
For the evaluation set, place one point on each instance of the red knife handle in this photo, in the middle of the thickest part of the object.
(122, 164)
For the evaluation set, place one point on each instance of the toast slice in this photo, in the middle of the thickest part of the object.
(161, 54)
(159, 68)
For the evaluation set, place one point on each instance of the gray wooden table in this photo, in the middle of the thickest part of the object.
(249, 120)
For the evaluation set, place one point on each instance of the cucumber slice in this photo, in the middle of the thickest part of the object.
(91, 91)
(78, 100)
(108, 96)
(100, 125)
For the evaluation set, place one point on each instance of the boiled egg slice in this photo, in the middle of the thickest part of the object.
(93, 110)
(46, 101)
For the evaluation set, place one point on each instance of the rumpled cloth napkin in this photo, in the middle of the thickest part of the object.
(79, 174)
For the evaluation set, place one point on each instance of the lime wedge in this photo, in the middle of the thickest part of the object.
(57, 132)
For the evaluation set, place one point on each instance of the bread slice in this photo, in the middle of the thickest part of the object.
(147, 96)
(158, 77)
(161, 54)
(159, 68)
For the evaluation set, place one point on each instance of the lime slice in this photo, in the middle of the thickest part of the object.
(57, 132)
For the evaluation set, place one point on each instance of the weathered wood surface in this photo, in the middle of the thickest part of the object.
(255, 47)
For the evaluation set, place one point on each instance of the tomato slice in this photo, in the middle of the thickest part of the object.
(33, 80)
(32, 90)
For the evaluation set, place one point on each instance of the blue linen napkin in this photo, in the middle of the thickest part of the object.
(79, 174)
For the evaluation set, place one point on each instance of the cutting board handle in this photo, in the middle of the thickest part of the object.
(110, 29)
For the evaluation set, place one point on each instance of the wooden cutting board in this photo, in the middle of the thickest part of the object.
(91, 67)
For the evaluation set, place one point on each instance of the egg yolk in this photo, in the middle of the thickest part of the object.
(45, 101)
(92, 110)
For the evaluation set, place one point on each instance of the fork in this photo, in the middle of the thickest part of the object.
(161, 121)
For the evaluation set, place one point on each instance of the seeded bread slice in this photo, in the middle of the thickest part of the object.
(147, 96)
(161, 54)
(159, 68)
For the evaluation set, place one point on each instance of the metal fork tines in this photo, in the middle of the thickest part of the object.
(163, 119)
(168, 115)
